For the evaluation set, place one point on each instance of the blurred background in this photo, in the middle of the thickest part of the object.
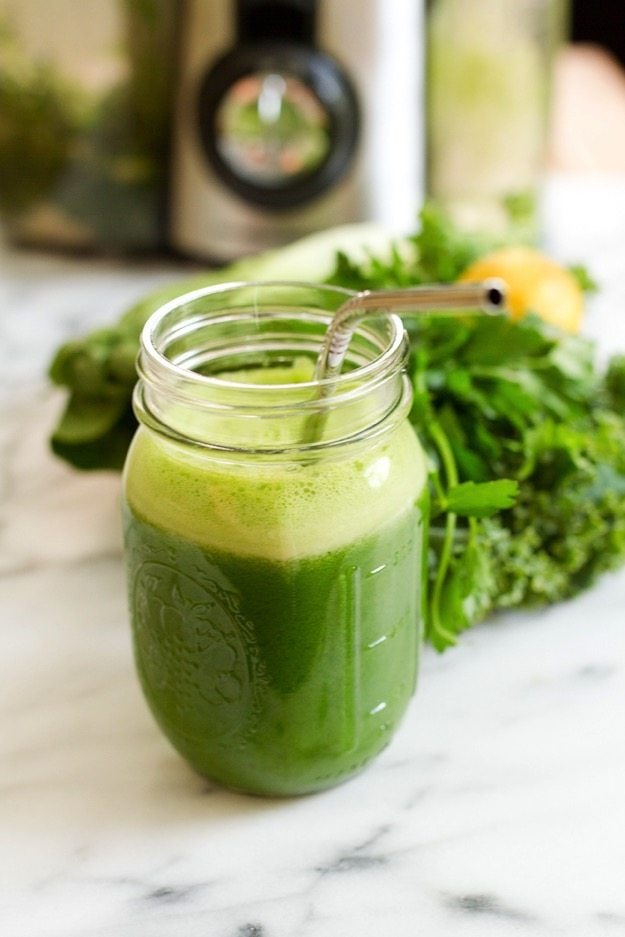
(214, 128)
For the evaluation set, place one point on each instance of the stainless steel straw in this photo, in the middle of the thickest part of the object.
(457, 299)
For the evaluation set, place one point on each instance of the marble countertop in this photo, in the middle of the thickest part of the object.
(497, 811)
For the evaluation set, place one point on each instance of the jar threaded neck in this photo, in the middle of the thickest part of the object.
(198, 351)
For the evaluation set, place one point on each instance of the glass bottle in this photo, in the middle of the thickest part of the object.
(488, 95)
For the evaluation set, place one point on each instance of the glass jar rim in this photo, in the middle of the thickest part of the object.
(193, 346)
(149, 346)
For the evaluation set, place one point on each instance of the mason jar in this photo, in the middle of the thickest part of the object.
(274, 530)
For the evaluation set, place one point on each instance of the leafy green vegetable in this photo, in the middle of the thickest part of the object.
(526, 437)
(583, 277)
(100, 447)
(37, 126)
(481, 499)
(97, 158)
(615, 384)
(538, 418)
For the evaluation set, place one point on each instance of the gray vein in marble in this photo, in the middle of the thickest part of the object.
(418, 796)
(596, 672)
(612, 919)
(359, 856)
(486, 905)
(251, 930)
(166, 894)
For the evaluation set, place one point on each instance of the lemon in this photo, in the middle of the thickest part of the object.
(536, 283)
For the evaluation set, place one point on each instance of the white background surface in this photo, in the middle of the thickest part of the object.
(497, 810)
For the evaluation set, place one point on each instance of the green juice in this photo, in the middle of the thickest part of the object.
(276, 607)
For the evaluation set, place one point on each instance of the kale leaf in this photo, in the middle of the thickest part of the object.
(536, 418)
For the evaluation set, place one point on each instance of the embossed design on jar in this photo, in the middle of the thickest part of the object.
(192, 645)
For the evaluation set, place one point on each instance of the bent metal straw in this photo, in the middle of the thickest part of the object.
(457, 299)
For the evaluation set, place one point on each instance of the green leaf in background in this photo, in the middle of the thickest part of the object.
(483, 499)
(39, 115)
(583, 277)
(88, 418)
(615, 384)
(86, 449)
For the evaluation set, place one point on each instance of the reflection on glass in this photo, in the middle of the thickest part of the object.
(272, 128)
